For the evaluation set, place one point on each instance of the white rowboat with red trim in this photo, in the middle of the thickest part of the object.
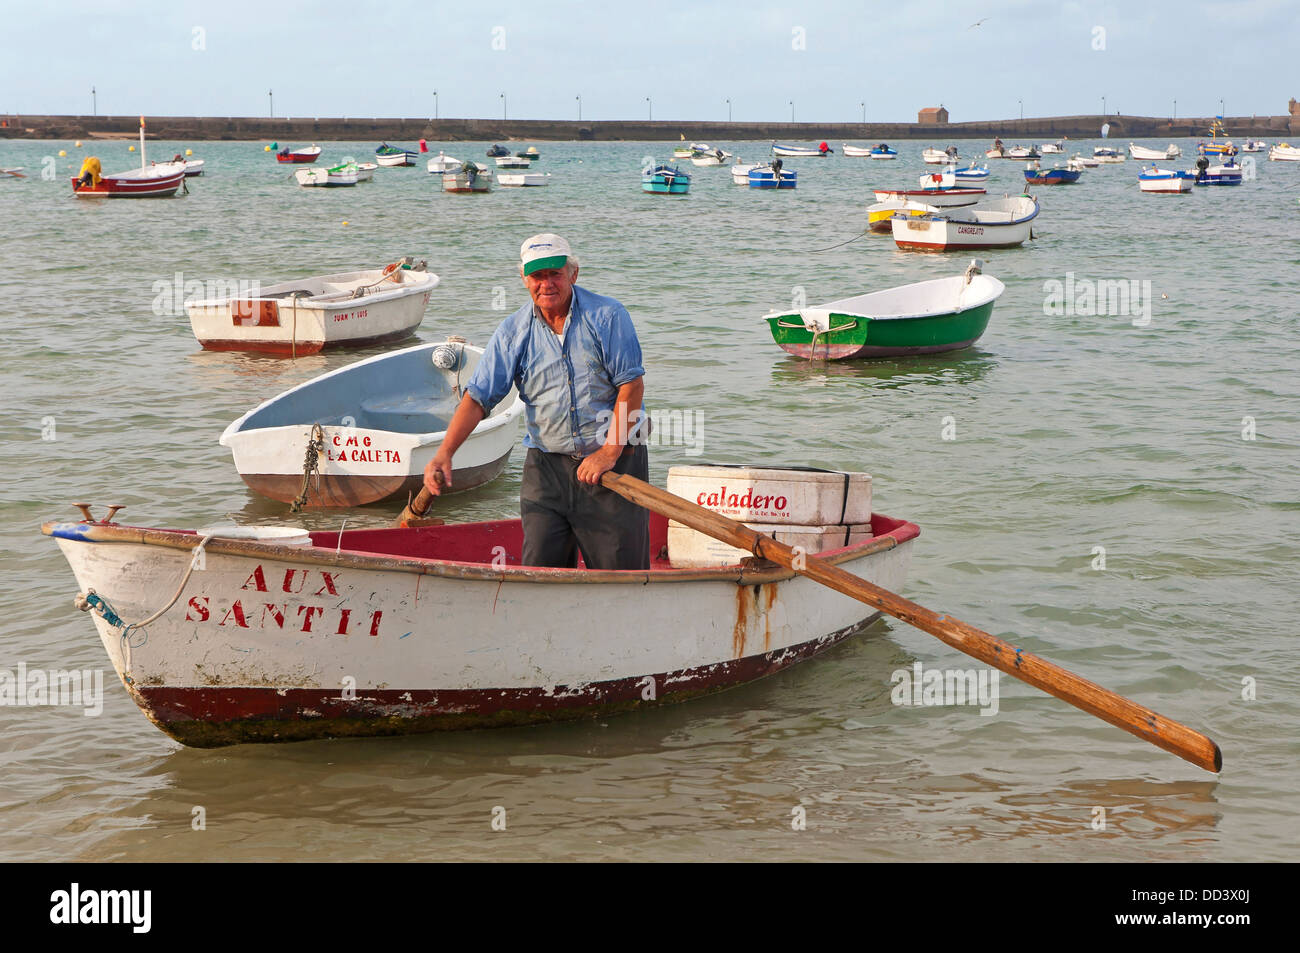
(304, 316)
(396, 631)
(942, 197)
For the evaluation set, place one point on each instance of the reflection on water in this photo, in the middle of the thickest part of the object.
(967, 366)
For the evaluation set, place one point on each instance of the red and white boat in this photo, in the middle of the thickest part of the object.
(299, 317)
(283, 635)
(305, 154)
(942, 197)
(149, 181)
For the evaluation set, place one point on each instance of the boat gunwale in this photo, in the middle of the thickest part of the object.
(998, 288)
(324, 302)
(501, 415)
(317, 555)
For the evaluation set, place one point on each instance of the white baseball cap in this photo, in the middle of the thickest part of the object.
(544, 251)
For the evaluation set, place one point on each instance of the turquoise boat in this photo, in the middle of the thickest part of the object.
(929, 317)
(665, 180)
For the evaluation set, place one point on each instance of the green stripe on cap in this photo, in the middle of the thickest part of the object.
(541, 264)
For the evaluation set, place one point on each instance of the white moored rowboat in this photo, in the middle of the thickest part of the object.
(945, 198)
(1284, 152)
(516, 179)
(471, 177)
(327, 178)
(394, 631)
(1001, 223)
(1165, 181)
(1154, 155)
(304, 316)
(932, 156)
(740, 171)
(374, 425)
(443, 163)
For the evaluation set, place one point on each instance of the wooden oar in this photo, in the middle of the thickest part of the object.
(1079, 692)
(413, 514)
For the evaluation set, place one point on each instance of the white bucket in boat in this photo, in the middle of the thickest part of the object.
(776, 495)
(688, 549)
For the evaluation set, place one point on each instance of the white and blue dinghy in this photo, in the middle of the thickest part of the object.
(364, 433)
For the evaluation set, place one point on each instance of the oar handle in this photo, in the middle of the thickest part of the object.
(414, 513)
(1047, 676)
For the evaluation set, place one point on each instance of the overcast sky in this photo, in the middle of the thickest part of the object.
(386, 58)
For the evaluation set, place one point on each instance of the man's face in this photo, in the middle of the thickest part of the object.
(550, 288)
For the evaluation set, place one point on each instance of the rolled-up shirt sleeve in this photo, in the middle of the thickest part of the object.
(496, 370)
(622, 349)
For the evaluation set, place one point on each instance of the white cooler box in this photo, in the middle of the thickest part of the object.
(790, 495)
(815, 509)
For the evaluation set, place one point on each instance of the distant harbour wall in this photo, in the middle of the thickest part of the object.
(294, 131)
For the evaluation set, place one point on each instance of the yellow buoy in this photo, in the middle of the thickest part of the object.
(62, 153)
(266, 148)
(78, 143)
(189, 152)
(345, 221)
(131, 149)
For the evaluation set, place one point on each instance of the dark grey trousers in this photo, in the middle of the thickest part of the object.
(562, 516)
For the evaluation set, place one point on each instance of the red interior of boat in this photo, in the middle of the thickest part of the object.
(483, 542)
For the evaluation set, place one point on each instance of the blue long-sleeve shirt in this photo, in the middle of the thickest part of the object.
(569, 386)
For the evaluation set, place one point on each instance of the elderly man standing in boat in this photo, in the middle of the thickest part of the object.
(575, 358)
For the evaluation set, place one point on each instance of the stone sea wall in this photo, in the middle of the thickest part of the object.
(294, 131)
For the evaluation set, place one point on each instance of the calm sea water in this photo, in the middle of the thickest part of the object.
(1071, 431)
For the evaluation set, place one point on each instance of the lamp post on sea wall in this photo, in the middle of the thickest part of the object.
(270, 95)
(579, 99)
(94, 102)
(728, 102)
(435, 104)
(792, 110)
(649, 109)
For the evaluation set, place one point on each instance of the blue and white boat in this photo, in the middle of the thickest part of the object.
(1108, 155)
(1228, 172)
(883, 151)
(1165, 181)
(665, 180)
(971, 174)
(772, 177)
(1060, 175)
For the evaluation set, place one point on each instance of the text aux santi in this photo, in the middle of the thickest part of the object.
(359, 450)
(252, 611)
